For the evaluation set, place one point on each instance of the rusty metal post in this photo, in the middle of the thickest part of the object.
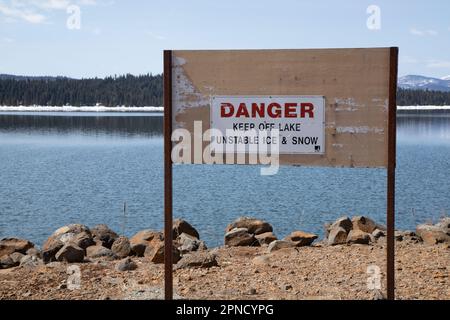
(168, 267)
(390, 212)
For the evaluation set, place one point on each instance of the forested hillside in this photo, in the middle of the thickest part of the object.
(129, 90)
(414, 97)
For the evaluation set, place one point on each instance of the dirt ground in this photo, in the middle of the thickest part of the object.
(316, 272)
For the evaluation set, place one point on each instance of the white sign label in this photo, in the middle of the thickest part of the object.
(300, 121)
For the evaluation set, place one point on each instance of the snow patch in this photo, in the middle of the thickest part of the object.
(423, 107)
(82, 108)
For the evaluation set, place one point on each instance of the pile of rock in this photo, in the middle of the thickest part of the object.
(247, 231)
(14, 252)
(437, 233)
(363, 230)
(68, 243)
(357, 230)
(150, 243)
(295, 239)
(76, 243)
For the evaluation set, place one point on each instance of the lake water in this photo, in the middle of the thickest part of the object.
(61, 168)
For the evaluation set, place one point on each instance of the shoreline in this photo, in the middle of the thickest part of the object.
(400, 109)
(251, 264)
(246, 273)
(124, 109)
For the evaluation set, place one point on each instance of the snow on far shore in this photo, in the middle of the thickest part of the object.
(423, 107)
(82, 108)
(149, 109)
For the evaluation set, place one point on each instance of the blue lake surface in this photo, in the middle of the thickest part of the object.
(61, 168)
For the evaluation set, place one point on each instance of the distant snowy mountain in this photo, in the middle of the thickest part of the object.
(423, 83)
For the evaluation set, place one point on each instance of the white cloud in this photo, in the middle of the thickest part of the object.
(20, 12)
(417, 32)
(438, 64)
(8, 40)
(51, 4)
(57, 4)
(34, 11)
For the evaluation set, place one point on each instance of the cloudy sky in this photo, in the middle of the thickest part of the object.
(88, 38)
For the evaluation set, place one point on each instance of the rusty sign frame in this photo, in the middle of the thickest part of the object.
(390, 190)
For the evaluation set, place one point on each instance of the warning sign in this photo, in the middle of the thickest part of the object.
(299, 122)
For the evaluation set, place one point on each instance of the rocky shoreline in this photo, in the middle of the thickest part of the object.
(253, 263)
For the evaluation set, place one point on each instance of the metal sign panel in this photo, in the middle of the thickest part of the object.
(353, 82)
(240, 120)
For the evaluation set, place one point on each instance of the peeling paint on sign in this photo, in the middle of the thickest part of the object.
(185, 94)
(360, 130)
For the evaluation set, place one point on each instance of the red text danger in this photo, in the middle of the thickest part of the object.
(271, 110)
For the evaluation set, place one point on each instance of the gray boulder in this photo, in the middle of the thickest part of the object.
(76, 234)
(253, 225)
(156, 253)
(143, 239)
(364, 224)
(266, 238)
(342, 222)
(187, 243)
(50, 248)
(82, 239)
(197, 260)
(121, 247)
(11, 245)
(301, 238)
(337, 235)
(433, 234)
(99, 252)
(182, 226)
(70, 253)
(104, 235)
(377, 233)
(126, 264)
(358, 237)
(240, 237)
(6, 262)
(281, 244)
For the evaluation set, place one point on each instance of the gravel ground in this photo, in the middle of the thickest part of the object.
(316, 272)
